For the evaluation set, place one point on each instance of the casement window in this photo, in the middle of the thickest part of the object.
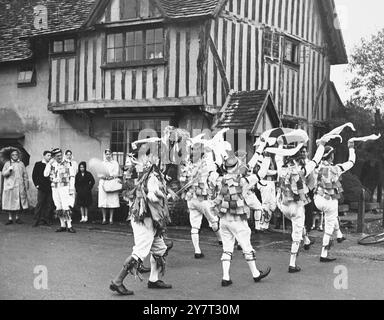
(63, 46)
(291, 51)
(126, 131)
(135, 47)
(271, 43)
(26, 76)
(131, 9)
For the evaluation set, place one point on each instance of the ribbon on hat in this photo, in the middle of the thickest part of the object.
(372, 137)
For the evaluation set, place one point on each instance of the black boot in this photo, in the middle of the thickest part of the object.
(121, 289)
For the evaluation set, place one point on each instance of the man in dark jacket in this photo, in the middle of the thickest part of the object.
(44, 204)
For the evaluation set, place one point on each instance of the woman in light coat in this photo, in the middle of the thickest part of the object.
(108, 200)
(15, 179)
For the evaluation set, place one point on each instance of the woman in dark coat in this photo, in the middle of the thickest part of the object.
(84, 183)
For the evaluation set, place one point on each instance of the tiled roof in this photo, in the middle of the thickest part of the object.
(243, 109)
(175, 9)
(16, 20)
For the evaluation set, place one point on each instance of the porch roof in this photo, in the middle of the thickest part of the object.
(245, 109)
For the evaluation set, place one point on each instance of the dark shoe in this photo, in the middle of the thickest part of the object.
(239, 247)
(226, 283)
(18, 221)
(158, 285)
(263, 274)
(122, 290)
(36, 224)
(294, 269)
(71, 230)
(220, 243)
(45, 223)
(143, 269)
(340, 240)
(326, 260)
(104, 223)
(308, 246)
(61, 229)
(9, 222)
(199, 255)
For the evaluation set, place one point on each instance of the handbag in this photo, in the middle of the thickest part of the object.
(113, 185)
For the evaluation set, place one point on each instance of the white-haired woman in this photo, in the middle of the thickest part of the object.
(15, 187)
(108, 201)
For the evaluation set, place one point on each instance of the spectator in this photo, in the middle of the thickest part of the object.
(72, 164)
(44, 204)
(15, 186)
(63, 187)
(69, 159)
(108, 200)
(84, 183)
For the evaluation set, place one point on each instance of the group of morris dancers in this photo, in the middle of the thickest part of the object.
(221, 187)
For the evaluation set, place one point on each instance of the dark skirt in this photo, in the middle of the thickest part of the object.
(84, 198)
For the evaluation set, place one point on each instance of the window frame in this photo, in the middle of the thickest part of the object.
(28, 67)
(137, 16)
(137, 62)
(63, 52)
(270, 44)
(297, 45)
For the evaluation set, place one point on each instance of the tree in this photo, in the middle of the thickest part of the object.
(370, 155)
(366, 104)
(367, 67)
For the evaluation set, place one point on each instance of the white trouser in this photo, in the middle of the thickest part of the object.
(198, 209)
(268, 197)
(330, 209)
(295, 211)
(234, 228)
(62, 199)
(146, 240)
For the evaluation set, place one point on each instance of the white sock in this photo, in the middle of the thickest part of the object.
(257, 216)
(226, 267)
(62, 222)
(154, 276)
(306, 240)
(339, 234)
(195, 241)
(218, 235)
(253, 268)
(69, 224)
(294, 250)
(324, 251)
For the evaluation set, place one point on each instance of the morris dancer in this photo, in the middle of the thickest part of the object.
(267, 185)
(198, 193)
(293, 191)
(150, 216)
(62, 176)
(234, 213)
(327, 194)
(259, 165)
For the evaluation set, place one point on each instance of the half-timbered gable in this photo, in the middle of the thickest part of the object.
(123, 59)
(285, 46)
